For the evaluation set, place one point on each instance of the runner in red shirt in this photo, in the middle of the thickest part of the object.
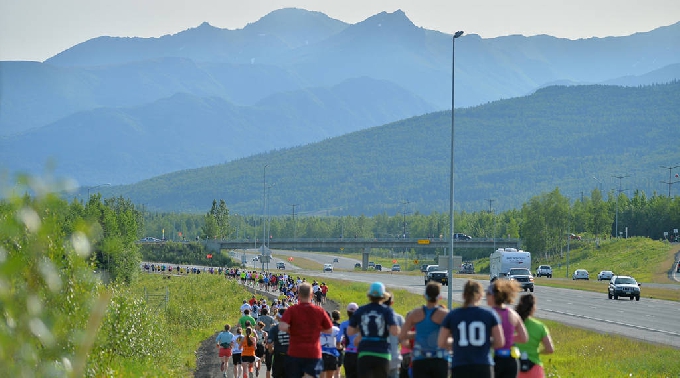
(305, 322)
(324, 290)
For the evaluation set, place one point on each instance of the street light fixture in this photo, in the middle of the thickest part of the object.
(599, 181)
(453, 81)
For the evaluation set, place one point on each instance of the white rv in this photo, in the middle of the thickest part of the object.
(502, 260)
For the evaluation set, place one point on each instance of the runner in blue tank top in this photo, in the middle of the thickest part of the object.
(350, 359)
(429, 360)
(475, 330)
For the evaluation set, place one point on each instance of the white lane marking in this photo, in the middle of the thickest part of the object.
(613, 322)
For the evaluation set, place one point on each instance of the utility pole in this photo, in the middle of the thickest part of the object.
(494, 221)
(294, 224)
(618, 193)
(490, 202)
(404, 212)
(670, 181)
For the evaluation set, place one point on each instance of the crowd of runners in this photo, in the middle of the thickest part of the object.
(295, 337)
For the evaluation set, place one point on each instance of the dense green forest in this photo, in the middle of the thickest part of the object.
(542, 223)
(576, 138)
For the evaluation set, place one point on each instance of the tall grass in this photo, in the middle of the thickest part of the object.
(198, 306)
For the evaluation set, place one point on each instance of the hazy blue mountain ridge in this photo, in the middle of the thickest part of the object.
(270, 36)
(185, 131)
(660, 76)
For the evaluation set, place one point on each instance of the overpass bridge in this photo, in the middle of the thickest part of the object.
(317, 244)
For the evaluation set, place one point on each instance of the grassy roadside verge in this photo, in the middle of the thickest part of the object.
(579, 353)
(198, 306)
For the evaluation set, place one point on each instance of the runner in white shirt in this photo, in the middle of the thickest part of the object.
(329, 352)
(236, 350)
(245, 306)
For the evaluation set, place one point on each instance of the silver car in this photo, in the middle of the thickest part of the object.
(605, 275)
(580, 274)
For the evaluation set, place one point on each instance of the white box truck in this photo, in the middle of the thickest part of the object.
(504, 259)
(443, 262)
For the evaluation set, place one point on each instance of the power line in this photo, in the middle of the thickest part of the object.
(404, 212)
(490, 202)
(670, 181)
(294, 223)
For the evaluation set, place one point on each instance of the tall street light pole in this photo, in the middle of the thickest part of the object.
(618, 193)
(269, 223)
(294, 224)
(264, 206)
(453, 81)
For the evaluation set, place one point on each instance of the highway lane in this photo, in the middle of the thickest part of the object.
(649, 320)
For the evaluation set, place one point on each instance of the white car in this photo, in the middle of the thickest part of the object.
(605, 275)
(544, 270)
(149, 239)
(580, 274)
(328, 267)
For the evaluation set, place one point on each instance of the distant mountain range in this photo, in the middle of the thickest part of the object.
(121, 110)
(572, 138)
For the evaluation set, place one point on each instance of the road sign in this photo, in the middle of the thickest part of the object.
(415, 261)
(423, 241)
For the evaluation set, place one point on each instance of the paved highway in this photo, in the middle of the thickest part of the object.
(650, 320)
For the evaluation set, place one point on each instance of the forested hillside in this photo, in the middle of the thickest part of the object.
(575, 138)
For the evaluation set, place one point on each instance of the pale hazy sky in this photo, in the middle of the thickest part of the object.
(39, 29)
